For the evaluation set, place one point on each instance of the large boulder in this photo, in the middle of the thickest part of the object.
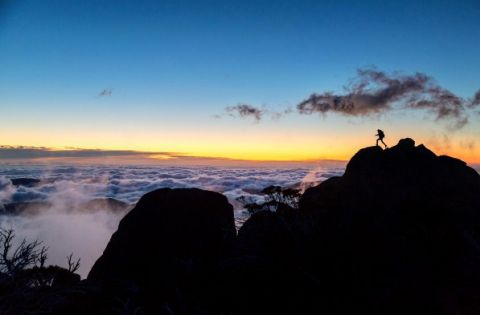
(168, 247)
(398, 233)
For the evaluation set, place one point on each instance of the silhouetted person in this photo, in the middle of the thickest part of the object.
(380, 136)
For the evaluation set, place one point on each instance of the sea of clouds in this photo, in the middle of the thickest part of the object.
(85, 233)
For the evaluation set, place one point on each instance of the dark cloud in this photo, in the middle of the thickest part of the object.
(276, 115)
(105, 92)
(244, 110)
(22, 152)
(476, 99)
(373, 92)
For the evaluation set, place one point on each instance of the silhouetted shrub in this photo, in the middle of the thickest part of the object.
(24, 278)
(274, 196)
(14, 260)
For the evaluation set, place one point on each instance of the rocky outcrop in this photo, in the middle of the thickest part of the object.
(400, 177)
(169, 247)
(399, 231)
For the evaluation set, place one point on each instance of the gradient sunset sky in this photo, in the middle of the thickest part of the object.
(157, 76)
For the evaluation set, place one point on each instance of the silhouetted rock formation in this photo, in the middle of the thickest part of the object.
(169, 247)
(398, 232)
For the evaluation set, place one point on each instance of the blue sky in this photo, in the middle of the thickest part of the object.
(172, 65)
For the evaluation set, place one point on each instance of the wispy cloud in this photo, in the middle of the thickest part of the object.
(105, 92)
(246, 111)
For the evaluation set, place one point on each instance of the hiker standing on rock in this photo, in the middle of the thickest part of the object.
(380, 136)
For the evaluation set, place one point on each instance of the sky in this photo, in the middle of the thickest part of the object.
(165, 76)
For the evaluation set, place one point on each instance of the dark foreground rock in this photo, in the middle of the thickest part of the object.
(169, 247)
(398, 233)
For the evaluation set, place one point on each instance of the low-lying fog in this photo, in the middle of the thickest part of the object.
(69, 211)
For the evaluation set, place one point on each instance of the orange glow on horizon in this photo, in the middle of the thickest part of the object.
(247, 146)
(253, 156)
